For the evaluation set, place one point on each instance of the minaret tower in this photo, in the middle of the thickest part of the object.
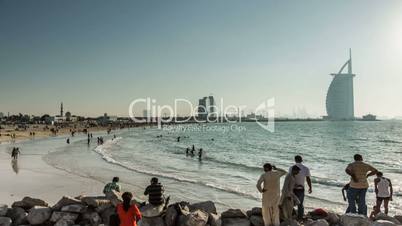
(61, 109)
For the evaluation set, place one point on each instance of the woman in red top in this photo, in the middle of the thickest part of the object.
(128, 214)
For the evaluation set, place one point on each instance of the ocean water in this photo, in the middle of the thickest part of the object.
(234, 155)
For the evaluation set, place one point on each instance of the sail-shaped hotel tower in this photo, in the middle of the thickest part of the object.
(340, 103)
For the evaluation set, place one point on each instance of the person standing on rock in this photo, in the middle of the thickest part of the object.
(383, 191)
(289, 199)
(301, 178)
(128, 214)
(270, 193)
(358, 171)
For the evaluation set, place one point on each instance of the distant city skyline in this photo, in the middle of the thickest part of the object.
(98, 56)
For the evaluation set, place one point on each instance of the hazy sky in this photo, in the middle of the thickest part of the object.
(97, 56)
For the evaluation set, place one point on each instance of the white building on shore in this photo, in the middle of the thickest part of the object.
(340, 100)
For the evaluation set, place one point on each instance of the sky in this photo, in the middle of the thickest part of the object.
(97, 56)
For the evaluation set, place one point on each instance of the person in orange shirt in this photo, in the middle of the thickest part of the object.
(128, 214)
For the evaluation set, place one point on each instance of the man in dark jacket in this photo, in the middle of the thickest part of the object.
(155, 192)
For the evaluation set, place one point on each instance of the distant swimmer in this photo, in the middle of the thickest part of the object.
(192, 150)
(187, 151)
(200, 154)
(15, 152)
(178, 139)
(114, 136)
(89, 140)
(68, 140)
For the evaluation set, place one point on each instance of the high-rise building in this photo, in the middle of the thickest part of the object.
(61, 109)
(212, 107)
(340, 100)
(202, 108)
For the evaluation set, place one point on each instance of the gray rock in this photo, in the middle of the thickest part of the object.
(195, 218)
(383, 216)
(354, 220)
(63, 222)
(152, 221)
(398, 217)
(214, 220)
(56, 216)
(64, 201)
(74, 208)
(171, 216)
(3, 210)
(28, 202)
(17, 215)
(332, 218)
(384, 223)
(290, 223)
(39, 215)
(235, 222)
(257, 211)
(107, 213)
(234, 213)
(150, 210)
(208, 207)
(256, 220)
(102, 208)
(92, 217)
(5, 221)
(320, 222)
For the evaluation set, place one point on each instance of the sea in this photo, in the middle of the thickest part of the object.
(233, 156)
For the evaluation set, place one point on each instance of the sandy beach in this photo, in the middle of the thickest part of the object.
(33, 177)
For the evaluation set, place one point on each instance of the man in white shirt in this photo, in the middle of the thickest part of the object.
(301, 178)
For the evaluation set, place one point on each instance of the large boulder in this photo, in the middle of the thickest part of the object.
(63, 222)
(74, 208)
(3, 210)
(384, 223)
(28, 202)
(332, 218)
(39, 215)
(214, 220)
(150, 210)
(64, 201)
(96, 201)
(234, 213)
(171, 215)
(398, 217)
(235, 222)
(383, 216)
(5, 221)
(256, 220)
(105, 215)
(208, 207)
(256, 211)
(354, 220)
(195, 218)
(56, 216)
(320, 222)
(114, 197)
(92, 218)
(17, 215)
(152, 221)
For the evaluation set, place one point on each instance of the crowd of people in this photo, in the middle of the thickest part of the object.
(277, 206)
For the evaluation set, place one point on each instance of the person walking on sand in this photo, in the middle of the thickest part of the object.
(155, 192)
(15, 152)
(358, 171)
(289, 199)
(301, 178)
(383, 191)
(128, 213)
(270, 193)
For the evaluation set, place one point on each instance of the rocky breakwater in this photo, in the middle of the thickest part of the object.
(96, 211)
